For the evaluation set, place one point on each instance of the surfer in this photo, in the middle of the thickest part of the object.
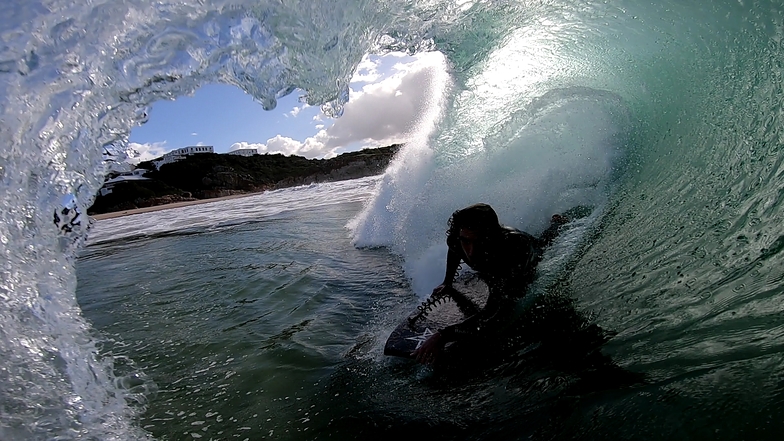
(504, 257)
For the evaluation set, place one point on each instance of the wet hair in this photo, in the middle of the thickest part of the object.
(478, 217)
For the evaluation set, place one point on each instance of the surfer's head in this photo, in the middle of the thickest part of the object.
(470, 228)
(480, 218)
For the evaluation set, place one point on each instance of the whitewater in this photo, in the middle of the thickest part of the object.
(264, 317)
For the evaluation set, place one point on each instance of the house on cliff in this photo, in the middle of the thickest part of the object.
(244, 152)
(176, 155)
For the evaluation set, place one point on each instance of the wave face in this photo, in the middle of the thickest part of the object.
(666, 117)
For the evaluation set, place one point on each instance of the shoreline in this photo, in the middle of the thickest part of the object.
(122, 213)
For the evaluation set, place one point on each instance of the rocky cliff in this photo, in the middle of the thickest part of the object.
(208, 175)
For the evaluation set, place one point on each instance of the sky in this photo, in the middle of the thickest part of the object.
(388, 95)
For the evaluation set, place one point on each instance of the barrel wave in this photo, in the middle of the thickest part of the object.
(664, 118)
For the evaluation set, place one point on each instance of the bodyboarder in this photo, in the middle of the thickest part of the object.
(503, 257)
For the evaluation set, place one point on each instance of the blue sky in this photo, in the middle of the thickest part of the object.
(388, 96)
(220, 115)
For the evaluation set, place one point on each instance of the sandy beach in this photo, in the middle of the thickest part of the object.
(167, 206)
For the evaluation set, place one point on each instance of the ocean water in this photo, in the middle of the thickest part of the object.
(658, 315)
(259, 318)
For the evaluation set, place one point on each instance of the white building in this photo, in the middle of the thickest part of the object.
(136, 175)
(244, 152)
(185, 151)
(176, 155)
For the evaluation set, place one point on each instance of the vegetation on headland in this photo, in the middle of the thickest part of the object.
(210, 175)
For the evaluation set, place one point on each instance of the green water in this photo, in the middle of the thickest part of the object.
(233, 331)
(273, 329)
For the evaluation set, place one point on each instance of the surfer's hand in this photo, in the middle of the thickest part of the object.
(428, 352)
(558, 219)
(440, 288)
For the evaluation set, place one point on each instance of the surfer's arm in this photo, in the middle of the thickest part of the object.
(548, 236)
(479, 322)
(428, 352)
(452, 262)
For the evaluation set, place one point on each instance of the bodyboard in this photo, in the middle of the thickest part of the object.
(467, 297)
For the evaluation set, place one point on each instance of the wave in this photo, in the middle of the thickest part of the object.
(669, 115)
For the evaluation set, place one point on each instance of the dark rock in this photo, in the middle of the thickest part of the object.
(206, 176)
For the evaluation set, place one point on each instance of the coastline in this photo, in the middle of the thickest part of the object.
(221, 174)
(121, 213)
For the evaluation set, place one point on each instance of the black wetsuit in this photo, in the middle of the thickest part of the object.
(508, 266)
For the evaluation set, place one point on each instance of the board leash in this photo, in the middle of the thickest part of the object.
(466, 306)
(434, 300)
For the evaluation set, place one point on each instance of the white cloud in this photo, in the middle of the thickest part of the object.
(386, 112)
(377, 114)
(194, 134)
(281, 144)
(313, 147)
(145, 152)
(295, 111)
(367, 71)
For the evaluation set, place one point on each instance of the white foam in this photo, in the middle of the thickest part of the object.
(557, 153)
